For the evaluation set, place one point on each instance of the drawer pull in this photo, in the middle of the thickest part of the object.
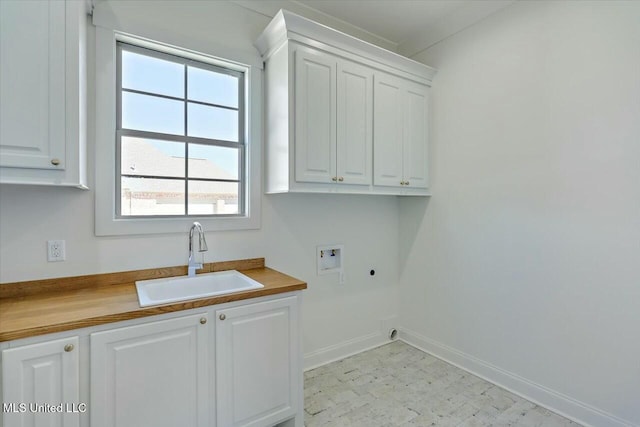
(68, 348)
(203, 320)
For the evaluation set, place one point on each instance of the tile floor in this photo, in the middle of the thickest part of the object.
(399, 385)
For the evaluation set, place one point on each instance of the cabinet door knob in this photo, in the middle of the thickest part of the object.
(401, 182)
(55, 162)
(335, 178)
(68, 348)
(203, 320)
(406, 183)
(222, 317)
(341, 179)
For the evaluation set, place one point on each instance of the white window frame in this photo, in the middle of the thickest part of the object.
(106, 221)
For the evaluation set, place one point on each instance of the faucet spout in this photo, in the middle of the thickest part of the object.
(202, 247)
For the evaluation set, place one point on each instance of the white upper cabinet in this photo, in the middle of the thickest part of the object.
(315, 119)
(355, 126)
(415, 141)
(342, 115)
(333, 127)
(32, 85)
(401, 133)
(388, 131)
(42, 92)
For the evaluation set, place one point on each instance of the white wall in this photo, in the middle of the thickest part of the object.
(525, 264)
(336, 318)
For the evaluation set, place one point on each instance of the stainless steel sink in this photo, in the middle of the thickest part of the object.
(183, 288)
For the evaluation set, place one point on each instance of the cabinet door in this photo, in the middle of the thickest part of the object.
(153, 374)
(388, 123)
(32, 84)
(354, 123)
(315, 116)
(39, 374)
(257, 363)
(416, 134)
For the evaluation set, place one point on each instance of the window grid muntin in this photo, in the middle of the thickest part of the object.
(120, 132)
(175, 98)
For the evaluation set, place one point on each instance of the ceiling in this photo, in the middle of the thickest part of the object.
(395, 20)
(404, 26)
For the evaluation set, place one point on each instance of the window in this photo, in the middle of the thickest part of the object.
(180, 136)
(178, 127)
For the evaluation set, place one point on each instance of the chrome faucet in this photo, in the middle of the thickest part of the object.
(202, 247)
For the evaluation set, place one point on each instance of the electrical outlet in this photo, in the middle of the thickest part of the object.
(55, 250)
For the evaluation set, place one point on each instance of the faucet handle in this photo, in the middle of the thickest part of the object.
(202, 243)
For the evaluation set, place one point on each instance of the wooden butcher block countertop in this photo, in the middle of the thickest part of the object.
(53, 305)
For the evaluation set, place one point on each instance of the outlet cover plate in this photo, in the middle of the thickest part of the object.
(56, 250)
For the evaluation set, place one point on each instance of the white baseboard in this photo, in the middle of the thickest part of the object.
(344, 349)
(557, 402)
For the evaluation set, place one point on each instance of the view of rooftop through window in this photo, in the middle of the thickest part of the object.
(180, 136)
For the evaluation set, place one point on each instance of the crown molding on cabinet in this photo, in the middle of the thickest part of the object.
(289, 26)
(269, 8)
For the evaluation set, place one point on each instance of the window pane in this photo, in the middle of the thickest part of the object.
(212, 122)
(149, 74)
(213, 198)
(214, 88)
(146, 196)
(152, 157)
(210, 161)
(153, 114)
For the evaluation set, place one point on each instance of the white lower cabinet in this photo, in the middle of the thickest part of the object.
(37, 375)
(227, 365)
(257, 366)
(154, 374)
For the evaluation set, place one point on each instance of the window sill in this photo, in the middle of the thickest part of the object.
(114, 227)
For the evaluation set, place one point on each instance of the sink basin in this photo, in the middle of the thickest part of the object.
(172, 289)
